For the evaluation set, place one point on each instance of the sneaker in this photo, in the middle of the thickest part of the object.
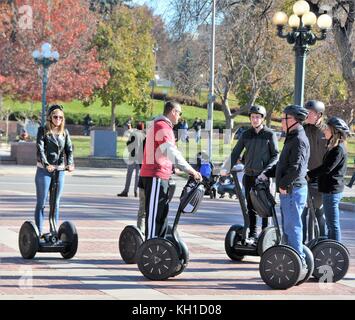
(122, 194)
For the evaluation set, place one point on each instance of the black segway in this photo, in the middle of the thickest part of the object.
(281, 265)
(236, 242)
(64, 240)
(162, 258)
(131, 237)
(331, 257)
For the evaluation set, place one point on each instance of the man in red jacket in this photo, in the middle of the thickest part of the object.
(160, 155)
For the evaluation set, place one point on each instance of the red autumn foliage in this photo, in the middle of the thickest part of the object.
(68, 26)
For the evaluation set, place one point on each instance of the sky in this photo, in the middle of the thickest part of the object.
(159, 6)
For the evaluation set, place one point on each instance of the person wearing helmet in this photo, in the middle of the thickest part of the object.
(290, 172)
(54, 151)
(317, 143)
(331, 174)
(261, 153)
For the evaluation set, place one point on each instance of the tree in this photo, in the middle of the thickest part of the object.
(124, 43)
(343, 13)
(77, 73)
(5, 17)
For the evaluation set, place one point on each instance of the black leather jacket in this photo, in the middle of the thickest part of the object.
(52, 150)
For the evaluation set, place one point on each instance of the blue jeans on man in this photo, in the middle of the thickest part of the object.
(43, 181)
(331, 211)
(292, 205)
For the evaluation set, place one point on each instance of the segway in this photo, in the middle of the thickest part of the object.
(330, 256)
(64, 240)
(281, 265)
(131, 237)
(236, 243)
(162, 258)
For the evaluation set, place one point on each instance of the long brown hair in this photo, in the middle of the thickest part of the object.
(336, 139)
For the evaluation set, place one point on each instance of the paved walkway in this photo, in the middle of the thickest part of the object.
(97, 271)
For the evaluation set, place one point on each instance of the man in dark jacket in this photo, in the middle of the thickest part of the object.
(290, 172)
(317, 144)
(261, 153)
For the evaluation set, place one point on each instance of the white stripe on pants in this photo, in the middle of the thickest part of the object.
(153, 207)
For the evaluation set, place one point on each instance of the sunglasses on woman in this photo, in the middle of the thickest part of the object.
(58, 117)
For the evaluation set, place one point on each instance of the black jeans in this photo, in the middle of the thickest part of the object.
(249, 182)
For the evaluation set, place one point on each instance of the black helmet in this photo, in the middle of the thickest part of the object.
(257, 109)
(296, 111)
(315, 105)
(338, 124)
(54, 107)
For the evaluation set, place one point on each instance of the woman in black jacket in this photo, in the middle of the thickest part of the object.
(331, 174)
(54, 152)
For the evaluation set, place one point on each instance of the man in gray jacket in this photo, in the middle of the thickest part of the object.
(317, 143)
(261, 153)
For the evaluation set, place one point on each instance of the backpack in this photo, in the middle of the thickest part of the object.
(191, 196)
(262, 199)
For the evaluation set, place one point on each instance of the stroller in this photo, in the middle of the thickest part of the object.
(206, 167)
(225, 184)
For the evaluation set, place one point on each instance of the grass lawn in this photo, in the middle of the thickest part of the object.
(220, 150)
(348, 199)
(78, 111)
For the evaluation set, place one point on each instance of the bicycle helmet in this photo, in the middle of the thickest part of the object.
(338, 124)
(257, 109)
(298, 112)
(315, 105)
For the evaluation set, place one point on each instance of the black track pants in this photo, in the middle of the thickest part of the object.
(156, 206)
(249, 182)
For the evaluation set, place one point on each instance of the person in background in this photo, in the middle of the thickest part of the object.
(88, 123)
(135, 145)
(197, 125)
(352, 180)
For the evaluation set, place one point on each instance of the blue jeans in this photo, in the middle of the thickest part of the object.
(331, 211)
(43, 182)
(292, 206)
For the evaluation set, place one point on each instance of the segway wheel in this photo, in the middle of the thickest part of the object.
(183, 257)
(129, 242)
(157, 259)
(68, 235)
(28, 240)
(267, 239)
(280, 267)
(310, 265)
(233, 235)
(331, 261)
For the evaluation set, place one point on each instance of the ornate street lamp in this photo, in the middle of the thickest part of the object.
(45, 58)
(302, 36)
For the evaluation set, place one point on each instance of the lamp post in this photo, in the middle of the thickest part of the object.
(301, 22)
(45, 58)
(211, 95)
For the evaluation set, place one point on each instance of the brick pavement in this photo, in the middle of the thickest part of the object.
(97, 271)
